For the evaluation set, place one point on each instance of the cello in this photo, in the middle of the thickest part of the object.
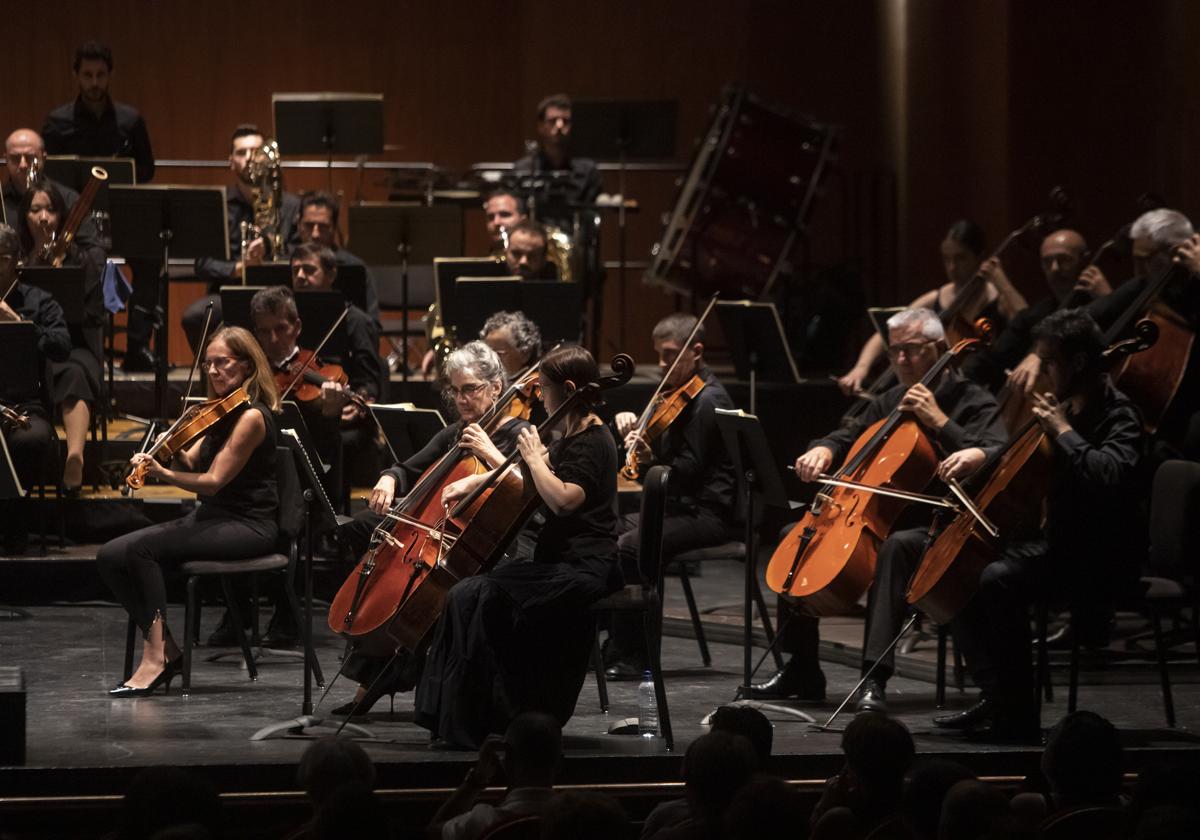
(828, 560)
(1010, 496)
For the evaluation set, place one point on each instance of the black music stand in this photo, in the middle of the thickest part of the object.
(319, 518)
(758, 482)
(328, 124)
(556, 307)
(268, 274)
(389, 234)
(756, 339)
(162, 222)
(75, 171)
(64, 284)
(318, 309)
(407, 429)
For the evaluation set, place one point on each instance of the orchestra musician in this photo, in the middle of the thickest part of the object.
(578, 179)
(475, 380)
(502, 210)
(1085, 552)
(700, 503)
(318, 223)
(247, 139)
(23, 150)
(36, 446)
(518, 637)
(958, 417)
(231, 469)
(514, 338)
(962, 257)
(93, 124)
(76, 380)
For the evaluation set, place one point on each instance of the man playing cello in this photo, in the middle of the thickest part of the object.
(957, 416)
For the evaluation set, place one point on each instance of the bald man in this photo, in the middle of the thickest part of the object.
(1064, 255)
(21, 149)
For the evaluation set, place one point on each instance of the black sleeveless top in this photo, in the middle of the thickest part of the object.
(252, 493)
(991, 311)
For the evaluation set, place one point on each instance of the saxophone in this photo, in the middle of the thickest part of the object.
(266, 195)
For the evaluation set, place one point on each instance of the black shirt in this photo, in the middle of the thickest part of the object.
(86, 237)
(364, 367)
(237, 210)
(344, 257)
(987, 366)
(53, 340)
(579, 184)
(120, 131)
(588, 535)
(253, 492)
(503, 438)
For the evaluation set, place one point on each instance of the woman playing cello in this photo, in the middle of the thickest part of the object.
(232, 471)
(517, 638)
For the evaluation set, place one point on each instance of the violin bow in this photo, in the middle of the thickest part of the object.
(320, 345)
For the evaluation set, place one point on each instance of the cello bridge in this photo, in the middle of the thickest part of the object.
(392, 541)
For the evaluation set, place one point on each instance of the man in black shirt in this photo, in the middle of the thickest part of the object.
(319, 223)
(502, 211)
(1097, 439)
(700, 506)
(93, 124)
(557, 179)
(957, 416)
(24, 149)
(247, 140)
(33, 448)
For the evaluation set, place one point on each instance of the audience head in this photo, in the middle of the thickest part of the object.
(93, 66)
(1167, 822)
(502, 211)
(247, 139)
(23, 148)
(767, 808)
(970, 811)
(534, 741)
(330, 762)
(584, 815)
(929, 780)
(515, 338)
(1071, 348)
(878, 752)
(1064, 255)
(351, 810)
(318, 218)
(1082, 761)
(313, 267)
(526, 254)
(554, 123)
(1155, 233)
(161, 797)
(751, 724)
(962, 251)
(715, 767)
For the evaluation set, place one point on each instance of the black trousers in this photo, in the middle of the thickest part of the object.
(34, 454)
(132, 565)
(143, 301)
(898, 558)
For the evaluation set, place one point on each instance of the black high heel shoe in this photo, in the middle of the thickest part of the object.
(172, 669)
(361, 707)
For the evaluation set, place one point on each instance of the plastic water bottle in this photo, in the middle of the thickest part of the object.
(647, 707)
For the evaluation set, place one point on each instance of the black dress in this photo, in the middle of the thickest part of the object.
(518, 638)
(79, 376)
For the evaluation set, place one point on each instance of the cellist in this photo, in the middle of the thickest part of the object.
(957, 416)
(700, 504)
(1096, 436)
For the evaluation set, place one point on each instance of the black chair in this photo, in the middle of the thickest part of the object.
(645, 599)
(1171, 585)
(283, 561)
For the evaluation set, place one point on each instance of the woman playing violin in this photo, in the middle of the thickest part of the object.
(231, 469)
(517, 638)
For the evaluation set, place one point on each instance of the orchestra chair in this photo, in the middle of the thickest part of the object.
(1099, 822)
(284, 562)
(1171, 585)
(643, 598)
(522, 828)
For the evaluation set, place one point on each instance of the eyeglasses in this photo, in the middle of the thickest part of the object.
(466, 391)
(220, 362)
(909, 349)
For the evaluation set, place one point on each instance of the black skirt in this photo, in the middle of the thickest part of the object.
(77, 378)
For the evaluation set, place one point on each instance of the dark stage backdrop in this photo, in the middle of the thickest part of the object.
(962, 107)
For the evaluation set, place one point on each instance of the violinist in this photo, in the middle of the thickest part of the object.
(1087, 552)
(700, 503)
(76, 381)
(231, 469)
(962, 258)
(518, 637)
(475, 380)
(957, 416)
(30, 448)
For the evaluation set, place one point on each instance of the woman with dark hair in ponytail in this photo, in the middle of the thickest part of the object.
(518, 638)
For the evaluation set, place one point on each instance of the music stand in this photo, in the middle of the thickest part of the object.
(328, 124)
(165, 222)
(407, 428)
(75, 171)
(447, 270)
(64, 284)
(318, 309)
(757, 342)
(389, 234)
(879, 316)
(319, 518)
(548, 303)
(758, 482)
(268, 274)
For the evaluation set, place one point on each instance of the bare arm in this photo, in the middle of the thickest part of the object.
(249, 431)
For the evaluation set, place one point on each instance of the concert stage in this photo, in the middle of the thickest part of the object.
(83, 749)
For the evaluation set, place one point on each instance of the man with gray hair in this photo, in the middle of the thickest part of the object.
(957, 416)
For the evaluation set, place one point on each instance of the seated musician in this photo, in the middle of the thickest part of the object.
(34, 447)
(1070, 281)
(76, 381)
(231, 469)
(239, 207)
(319, 224)
(700, 505)
(962, 259)
(518, 637)
(24, 151)
(475, 381)
(516, 340)
(502, 211)
(957, 416)
(580, 182)
(1085, 553)
(1160, 236)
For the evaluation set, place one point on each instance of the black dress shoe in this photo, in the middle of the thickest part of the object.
(138, 360)
(872, 698)
(982, 713)
(624, 670)
(169, 672)
(791, 681)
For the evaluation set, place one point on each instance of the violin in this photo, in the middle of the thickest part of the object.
(191, 424)
(10, 418)
(1010, 498)
(305, 374)
(828, 560)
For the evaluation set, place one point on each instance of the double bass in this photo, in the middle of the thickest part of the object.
(828, 560)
